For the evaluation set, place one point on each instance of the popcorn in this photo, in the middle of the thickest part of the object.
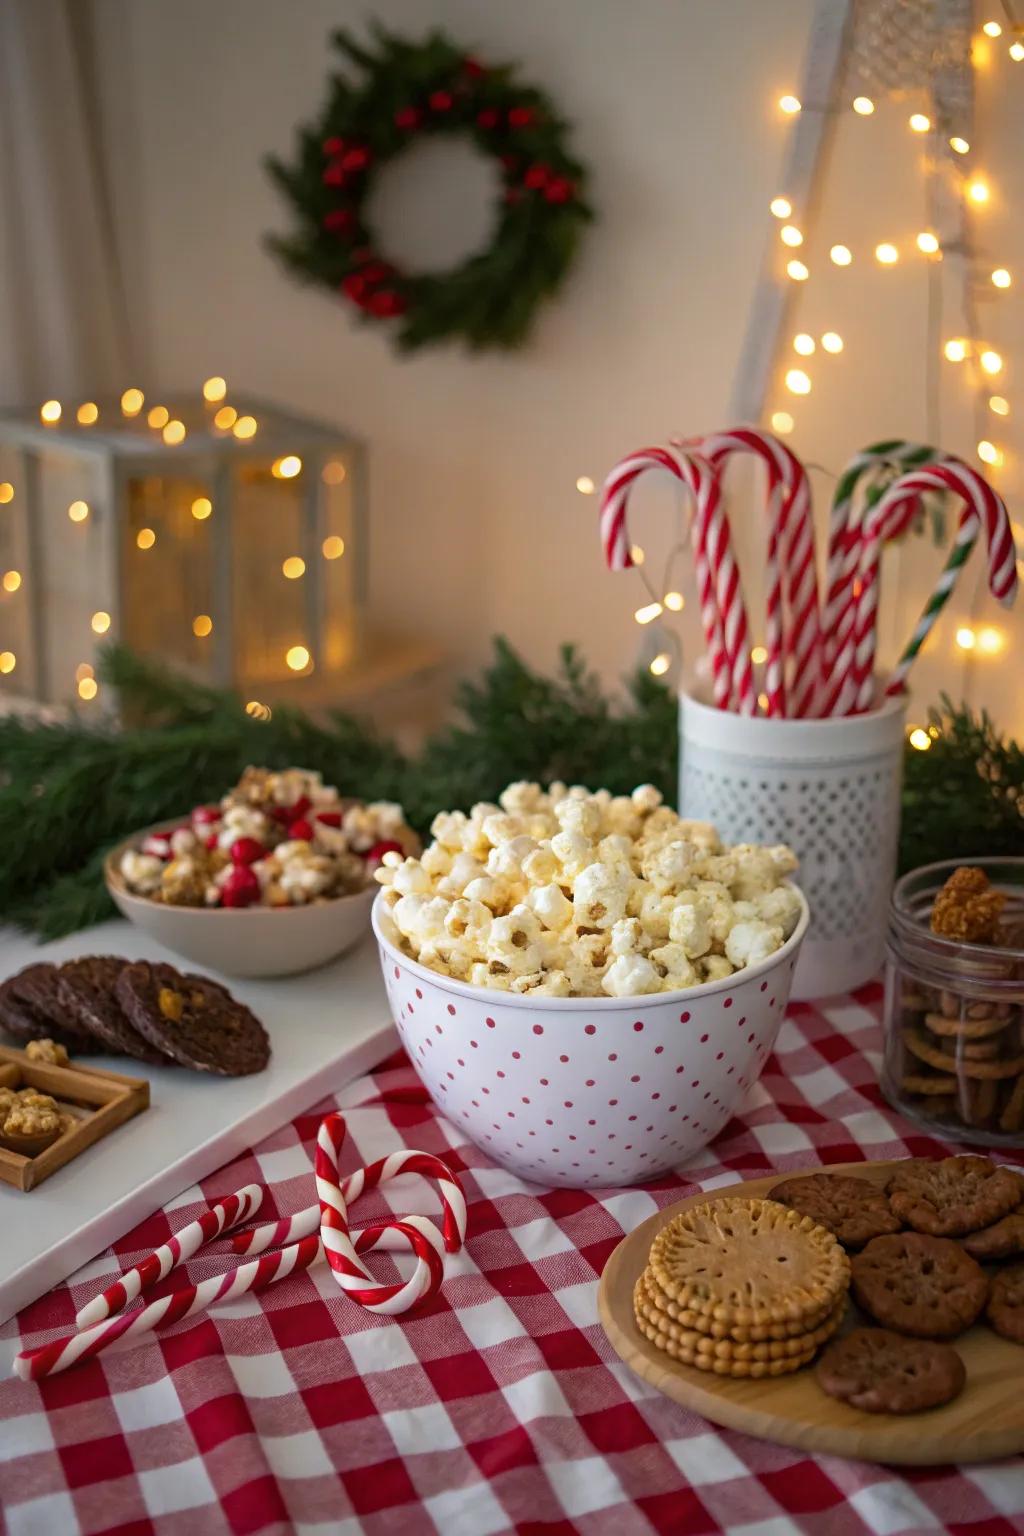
(565, 893)
(141, 872)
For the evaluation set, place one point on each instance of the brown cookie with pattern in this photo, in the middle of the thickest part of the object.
(85, 987)
(30, 1010)
(1000, 1241)
(882, 1372)
(967, 1029)
(1006, 1305)
(952, 1196)
(193, 1019)
(853, 1209)
(918, 1045)
(925, 1286)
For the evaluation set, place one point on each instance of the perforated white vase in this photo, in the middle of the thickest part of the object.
(828, 788)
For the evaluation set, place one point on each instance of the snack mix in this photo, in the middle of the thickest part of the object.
(278, 839)
(24, 1112)
(566, 893)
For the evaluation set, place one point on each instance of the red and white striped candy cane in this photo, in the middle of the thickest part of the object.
(790, 570)
(223, 1214)
(983, 509)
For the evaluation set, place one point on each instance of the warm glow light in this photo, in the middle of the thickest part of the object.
(927, 242)
(955, 350)
(832, 341)
(8, 661)
(158, 417)
(78, 511)
(286, 468)
(790, 235)
(886, 253)
(661, 663)
(585, 485)
(636, 554)
(999, 405)
(797, 382)
(919, 123)
(763, 702)
(258, 711)
(1017, 52)
(992, 29)
(990, 640)
(781, 207)
(333, 472)
(864, 105)
(50, 414)
(1001, 278)
(201, 508)
(11, 581)
(959, 146)
(100, 622)
(293, 567)
(333, 548)
(988, 453)
(87, 414)
(84, 669)
(966, 639)
(202, 625)
(991, 362)
(648, 612)
(298, 658)
(245, 426)
(978, 191)
(675, 601)
(225, 417)
(145, 538)
(782, 422)
(132, 401)
(759, 655)
(797, 271)
(215, 389)
(6, 491)
(841, 255)
(920, 739)
(789, 104)
(174, 432)
(803, 344)
(88, 688)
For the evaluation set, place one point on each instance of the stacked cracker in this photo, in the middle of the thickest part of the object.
(743, 1288)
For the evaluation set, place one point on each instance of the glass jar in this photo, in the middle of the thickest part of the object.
(954, 1013)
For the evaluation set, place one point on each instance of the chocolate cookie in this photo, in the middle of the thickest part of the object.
(925, 1286)
(86, 989)
(30, 1009)
(853, 1209)
(953, 1196)
(1006, 1306)
(882, 1372)
(1000, 1241)
(193, 1019)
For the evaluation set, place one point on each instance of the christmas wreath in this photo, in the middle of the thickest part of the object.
(408, 89)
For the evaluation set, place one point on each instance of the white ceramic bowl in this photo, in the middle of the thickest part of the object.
(589, 1091)
(244, 941)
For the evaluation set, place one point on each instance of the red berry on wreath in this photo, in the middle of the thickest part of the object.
(334, 176)
(354, 286)
(386, 302)
(356, 159)
(488, 118)
(333, 146)
(520, 117)
(339, 219)
(441, 101)
(300, 831)
(408, 118)
(473, 68)
(246, 850)
(559, 190)
(537, 176)
(329, 818)
(241, 888)
(376, 271)
(377, 852)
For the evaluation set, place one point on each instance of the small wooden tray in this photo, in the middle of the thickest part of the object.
(97, 1102)
(984, 1422)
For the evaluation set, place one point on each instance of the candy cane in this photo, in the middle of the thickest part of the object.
(983, 508)
(223, 1214)
(289, 1229)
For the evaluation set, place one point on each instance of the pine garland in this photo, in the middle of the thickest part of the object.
(70, 791)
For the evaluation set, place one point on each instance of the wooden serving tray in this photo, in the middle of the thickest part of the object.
(97, 1102)
(984, 1422)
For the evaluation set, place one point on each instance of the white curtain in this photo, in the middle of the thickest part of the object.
(63, 327)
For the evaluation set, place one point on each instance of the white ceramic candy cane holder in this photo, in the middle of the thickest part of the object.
(588, 1091)
(828, 788)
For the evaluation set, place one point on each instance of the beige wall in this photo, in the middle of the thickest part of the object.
(477, 526)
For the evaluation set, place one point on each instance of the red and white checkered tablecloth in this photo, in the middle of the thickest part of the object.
(499, 1408)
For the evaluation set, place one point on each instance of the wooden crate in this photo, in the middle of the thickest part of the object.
(97, 1102)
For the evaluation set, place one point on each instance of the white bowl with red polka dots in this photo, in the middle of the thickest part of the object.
(589, 1091)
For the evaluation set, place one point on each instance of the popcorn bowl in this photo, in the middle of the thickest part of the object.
(585, 1091)
(243, 941)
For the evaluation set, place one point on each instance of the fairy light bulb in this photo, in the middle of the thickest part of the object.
(797, 382)
(966, 639)
(100, 622)
(647, 613)
(1017, 52)
(88, 414)
(790, 235)
(919, 739)
(999, 405)
(832, 341)
(174, 433)
(585, 485)
(286, 468)
(759, 655)
(990, 640)
(886, 253)
(927, 242)
(6, 492)
(84, 669)
(636, 554)
(333, 548)
(789, 105)
(293, 567)
(988, 453)
(245, 427)
(763, 702)
(919, 123)
(201, 508)
(992, 29)
(781, 207)
(11, 581)
(145, 538)
(334, 473)
(959, 146)
(158, 417)
(88, 688)
(841, 255)
(955, 350)
(661, 664)
(863, 105)
(78, 511)
(225, 418)
(978, 191)
(50, 412)
(782, 422)
(8, 661)
(297, 658)
(675, 602)
(215, 389)
(991, 362)
(797, 271)
(803, 344)
(132, 402)
(1001, 278)
(202, 625)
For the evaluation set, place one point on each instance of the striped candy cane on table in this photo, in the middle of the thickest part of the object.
(983, 509)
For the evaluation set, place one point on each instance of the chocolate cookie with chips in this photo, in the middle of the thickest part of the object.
(30, 1009)
(85, 987)
(192, 1019)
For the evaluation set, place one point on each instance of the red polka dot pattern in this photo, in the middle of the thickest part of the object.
(534, 1094)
